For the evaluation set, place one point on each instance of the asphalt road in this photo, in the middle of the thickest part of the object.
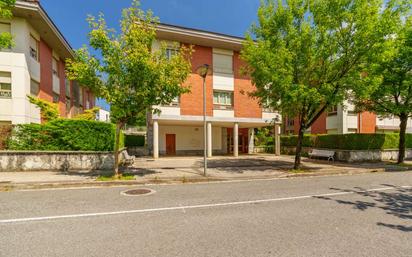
(362, 215)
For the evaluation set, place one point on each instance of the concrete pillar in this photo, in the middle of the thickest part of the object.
(224, 140)
(236, 140)
(209, 139)
(155, 139)
(251, 147)
(277, 139)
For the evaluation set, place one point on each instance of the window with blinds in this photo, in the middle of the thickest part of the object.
(222, 63)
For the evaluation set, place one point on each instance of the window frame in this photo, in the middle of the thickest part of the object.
(55, 72)
(36, 50)
(170, 52)
(219, 103)
(5, 93)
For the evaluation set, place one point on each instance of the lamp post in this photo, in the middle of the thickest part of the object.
(202, 71)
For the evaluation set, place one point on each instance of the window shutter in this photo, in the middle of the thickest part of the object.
(222, 63)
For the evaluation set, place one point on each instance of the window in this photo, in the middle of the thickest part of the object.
(67, 86)
(5, 85)
(222, 98)
(34, 48)
(223, 63)
(333, 110)
(55, 67)
(170, 52)
(175, 101)
(291, 122)
(87, 100)
(56, 98)
(5, 27)
(68, 95)
(34, 88)
(81, 96)
(5, 90)
(68, 105)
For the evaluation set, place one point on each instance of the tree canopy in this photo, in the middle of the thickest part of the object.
(129, 73)
(307, 53)
(386, 86)
(6, 6)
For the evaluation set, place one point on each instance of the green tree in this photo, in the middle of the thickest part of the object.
(48, 111)
(6, 6)
(386, 87)
(89, 114)
(306, 53)
(129, 74)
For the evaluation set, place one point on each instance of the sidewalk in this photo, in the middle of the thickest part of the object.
(190, 169)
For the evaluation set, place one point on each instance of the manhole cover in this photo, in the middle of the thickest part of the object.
(139, 191)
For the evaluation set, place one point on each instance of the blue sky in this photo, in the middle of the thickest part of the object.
(232, 17)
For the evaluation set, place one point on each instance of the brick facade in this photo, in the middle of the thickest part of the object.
(319, 126)
(192, 103)
(46, 80)
(244, 105)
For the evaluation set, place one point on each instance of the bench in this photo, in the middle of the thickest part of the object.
(323, 153)
(126, 158)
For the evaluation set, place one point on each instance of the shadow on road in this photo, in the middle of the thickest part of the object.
(397, 203)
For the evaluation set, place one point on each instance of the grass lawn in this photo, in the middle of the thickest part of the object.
(111, 177)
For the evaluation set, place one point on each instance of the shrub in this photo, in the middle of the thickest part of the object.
(89, 114)
(349, 141)
(63, 135)
(134, 140)
(49, 111)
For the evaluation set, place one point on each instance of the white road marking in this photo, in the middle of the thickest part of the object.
(8, 221)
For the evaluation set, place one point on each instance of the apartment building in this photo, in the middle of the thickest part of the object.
(231, 113)
(35, 66)
(343, 119)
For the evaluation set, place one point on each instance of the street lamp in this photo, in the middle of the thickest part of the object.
(202, 71)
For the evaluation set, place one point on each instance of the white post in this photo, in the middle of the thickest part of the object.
(236, 140)
(277, 139)
(155, 139)
(251, 147)
(209, 139)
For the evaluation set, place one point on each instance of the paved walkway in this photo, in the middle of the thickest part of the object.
(186, 169)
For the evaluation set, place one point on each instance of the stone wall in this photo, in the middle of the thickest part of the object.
(55, 161)
(138, 151)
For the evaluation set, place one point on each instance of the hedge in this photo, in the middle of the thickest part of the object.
(349, 141)
(64, 135)
(134, 140)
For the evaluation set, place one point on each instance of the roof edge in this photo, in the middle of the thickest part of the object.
(36, 6)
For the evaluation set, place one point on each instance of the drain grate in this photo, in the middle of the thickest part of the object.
(138, 191)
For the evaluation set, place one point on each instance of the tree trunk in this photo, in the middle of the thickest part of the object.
(402, 132)
(119, 126)
(298, 153)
